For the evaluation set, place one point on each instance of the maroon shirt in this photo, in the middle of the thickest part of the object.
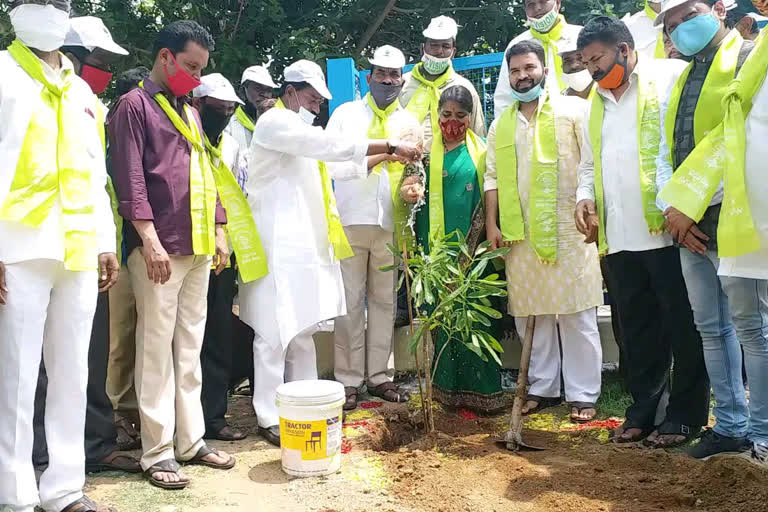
(150, 168)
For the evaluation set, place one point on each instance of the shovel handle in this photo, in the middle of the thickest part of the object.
(516, 424)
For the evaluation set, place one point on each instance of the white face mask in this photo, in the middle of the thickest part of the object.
(578, 81)
(435, 65)
(306, 115)
(42, 27)
(546, 22)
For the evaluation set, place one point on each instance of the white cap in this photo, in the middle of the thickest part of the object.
(441, 28)
(258, 74)
(90, 32)
(668, 5)
(216, 86)
(388, 57)
(567, 45)
(308, 71)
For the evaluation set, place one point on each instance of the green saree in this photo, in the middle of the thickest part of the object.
(462, 379)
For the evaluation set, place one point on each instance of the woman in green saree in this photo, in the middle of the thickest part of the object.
(462, 379)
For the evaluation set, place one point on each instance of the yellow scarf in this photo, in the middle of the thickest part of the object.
(53, 163)
(426, 98)
(251, 259)
(336, 235)
(542, 210)
(659, 52)
(549, 40)
(202, 186)
(648, 138)
(244, 119)
(721, 157)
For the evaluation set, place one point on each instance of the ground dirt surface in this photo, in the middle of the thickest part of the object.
(389, 466)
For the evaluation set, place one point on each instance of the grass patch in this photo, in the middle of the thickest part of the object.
(614, 400)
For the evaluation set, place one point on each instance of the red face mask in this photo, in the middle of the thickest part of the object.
(453, 130)
(97, 78)
(182, 83)
(615, 77)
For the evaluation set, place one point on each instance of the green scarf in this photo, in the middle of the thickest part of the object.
(53, 163)
(659, 52)
(426, 98)
(648, 139)
(251, 259)
(549, 40)
(202, 186)
(542, 208)
(721, 157)
(336, 235)
(244, 120)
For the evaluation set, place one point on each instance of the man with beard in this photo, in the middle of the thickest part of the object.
(534, 150)
(371, 210)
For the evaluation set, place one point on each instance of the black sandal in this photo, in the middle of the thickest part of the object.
(389, 392)
(669, 428)
(198, 460)
(616, 438)
(85, 504)
(582, 406)
(166, 466)
(351, 398)
(542, 402)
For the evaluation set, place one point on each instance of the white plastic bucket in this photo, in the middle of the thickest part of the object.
(310, 426)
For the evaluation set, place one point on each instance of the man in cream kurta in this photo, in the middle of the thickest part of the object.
(439, 46)
(47, 297)
(550, 28)
(654, 312)
(568, 291)
(367, 209)
(286, 194)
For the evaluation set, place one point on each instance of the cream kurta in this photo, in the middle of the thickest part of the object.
(304, 284)
(574, 283)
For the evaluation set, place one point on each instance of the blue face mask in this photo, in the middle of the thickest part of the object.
(529, 96)
(692, 36)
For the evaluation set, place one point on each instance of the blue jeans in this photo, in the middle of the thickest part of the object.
(731, 313)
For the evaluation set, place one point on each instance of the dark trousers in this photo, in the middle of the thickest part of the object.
(216, 355)
(242, 354)
(100, 433)
(656, 328)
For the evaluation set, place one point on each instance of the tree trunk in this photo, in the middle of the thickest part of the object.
(373, 27)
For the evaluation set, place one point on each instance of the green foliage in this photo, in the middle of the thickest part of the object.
(251, 32)
(451, 293)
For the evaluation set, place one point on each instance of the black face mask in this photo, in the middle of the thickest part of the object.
(385, 94)
(214, 122)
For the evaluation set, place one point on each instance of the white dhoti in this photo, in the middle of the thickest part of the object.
(581, 359)
(49, 310)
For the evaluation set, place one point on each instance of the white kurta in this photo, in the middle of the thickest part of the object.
(755, 265)
(646, 36)
(304, 284)
(502, 98)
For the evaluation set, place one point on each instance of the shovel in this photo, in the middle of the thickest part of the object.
(513, 439)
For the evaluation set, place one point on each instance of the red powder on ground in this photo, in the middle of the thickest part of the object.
(467, 415)
(609, 424)
(346, 446)
(371, 405)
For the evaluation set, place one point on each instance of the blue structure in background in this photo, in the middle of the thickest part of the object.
(348, 84)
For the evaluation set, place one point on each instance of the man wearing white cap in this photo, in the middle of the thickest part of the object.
(58, 250)
(370, 212)
(549, 27)
(216, 101)
(727, 288)
(291, 196)
(257, 86)
(434, 74)
(576, 77)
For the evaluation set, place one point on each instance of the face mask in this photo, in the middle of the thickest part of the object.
(546, 22)
(615, 76)
(453, 130)
(214, 122)
(305, 115)
(385, 94)
(182, 83)
(97, 78)
(692, 36)
(43, 27)
(531, 95)
(435, 65)
(578, 81)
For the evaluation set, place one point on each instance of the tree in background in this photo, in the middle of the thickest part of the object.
(251, 32)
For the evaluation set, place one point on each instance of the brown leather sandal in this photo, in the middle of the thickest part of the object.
(85, 504)
(198, 459)
(166, 466)
(115, 461)
(351, 401)
(389, 392)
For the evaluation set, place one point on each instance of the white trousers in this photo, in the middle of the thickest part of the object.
(581, 359)
(359, 351)
(273, 366)
(49, 310)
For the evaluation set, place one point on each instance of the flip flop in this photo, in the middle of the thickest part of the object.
(85, 504)
(581, 406)
(198, 460)
(111, 463)
(166, 466)
(541, 403)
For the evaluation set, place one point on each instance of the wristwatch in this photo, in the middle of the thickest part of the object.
(391, 147)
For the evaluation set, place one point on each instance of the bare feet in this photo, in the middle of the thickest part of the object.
(529, 406)
(583, 415)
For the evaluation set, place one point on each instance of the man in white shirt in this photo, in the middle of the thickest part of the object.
(617, 211)
(648, 37)
(55, 210)
(371, 213)
(433, 75)
(292, 201)
(216, 100)
(257, 86)
(576, 76)
(549, 27)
